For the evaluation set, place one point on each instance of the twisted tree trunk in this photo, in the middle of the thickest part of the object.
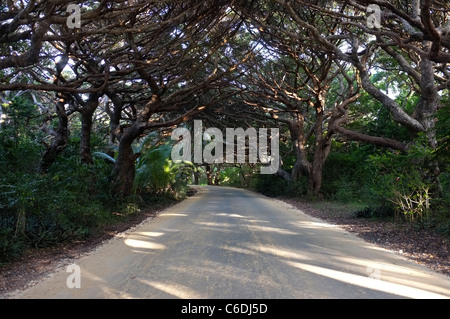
(60, 141)
(124, 170)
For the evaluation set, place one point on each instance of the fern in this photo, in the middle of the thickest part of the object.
(105, 157)
(157, 173)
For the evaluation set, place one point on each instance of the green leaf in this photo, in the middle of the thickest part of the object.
(104, 156)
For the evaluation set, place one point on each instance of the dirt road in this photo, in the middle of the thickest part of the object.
(229, 243)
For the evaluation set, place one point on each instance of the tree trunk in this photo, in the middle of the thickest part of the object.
(426, 113)
(321, 148)
(429, 102)
(60, 140)
(315, 181)
(196, 177)
(124, 169)
(209, 174)
(115, 116)
(302, 166)
(85, 142)
(217, 178)
(87, 114)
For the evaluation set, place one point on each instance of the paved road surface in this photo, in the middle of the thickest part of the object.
(228, 243)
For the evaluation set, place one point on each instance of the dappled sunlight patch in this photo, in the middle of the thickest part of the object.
(134, 243)
(112, 293)
(174, 289)
(394, 273)
(239, 250)
(91, 276)
(219, 227)
(258, 221)
(150, 234)
(313, 225)
(279, 252)
(174, 215)
(368, 282)
(230, 215)
(272, 230)
(215, 224)
(399, 270)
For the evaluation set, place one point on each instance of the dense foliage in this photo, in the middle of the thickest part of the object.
(72, 200)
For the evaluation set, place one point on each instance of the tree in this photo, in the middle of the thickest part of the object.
(291, 83)
(171, 73)
(341, 32)
(153, 60)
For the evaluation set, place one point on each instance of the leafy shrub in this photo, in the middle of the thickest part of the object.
(157, 173)
(444, 228)
(414, 203)
(275, 186)
(11, 246)
(234, 176)
(68, 203)
(231, 176)
(382, 211)
(406, 180)
(348, 174)
(48, 231)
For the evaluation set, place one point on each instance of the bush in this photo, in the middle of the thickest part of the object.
(275, 186)
(231, 176)
(11, 246)
(348, 175)
(68, 203)
(444, 228)
(157, 173)
(382, 211)
(406, 182)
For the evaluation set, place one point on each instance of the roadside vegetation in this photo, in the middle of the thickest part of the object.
(72, 201)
